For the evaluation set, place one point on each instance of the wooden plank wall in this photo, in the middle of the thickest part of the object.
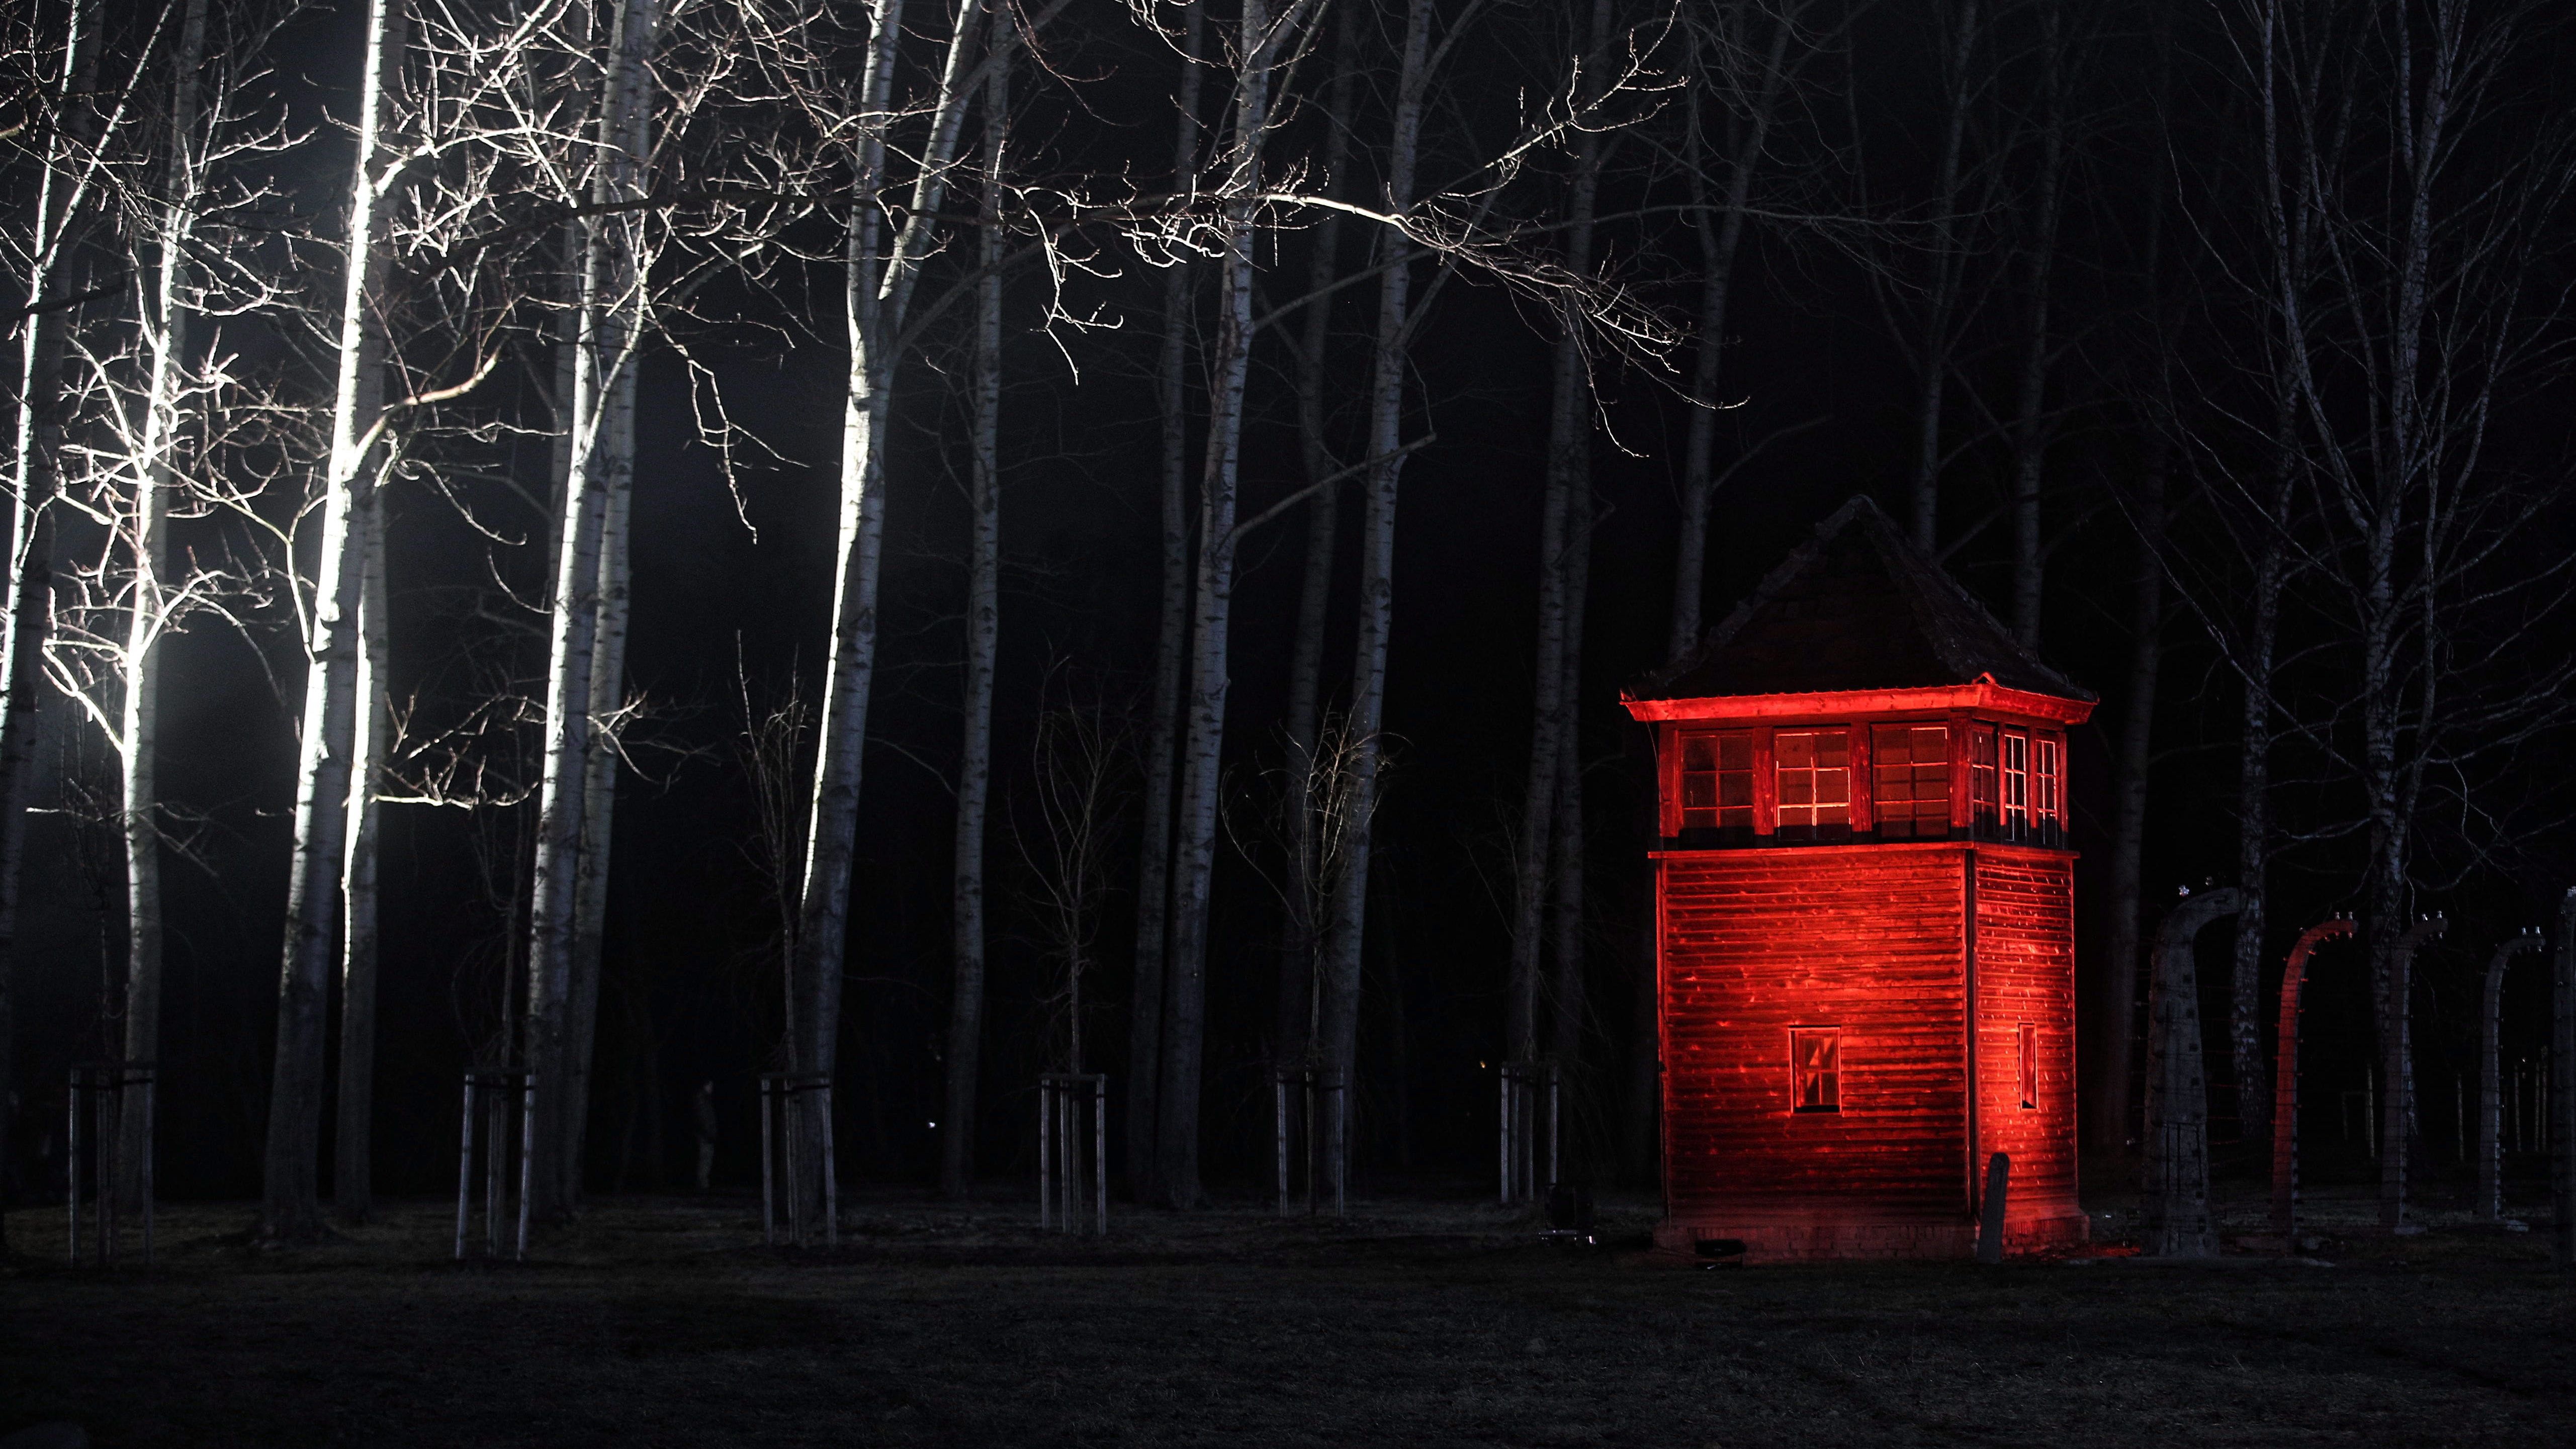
(1867, 938)
(2026, 973)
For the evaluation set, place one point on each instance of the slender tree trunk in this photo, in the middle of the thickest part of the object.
(610, 316)
(39, 444)
(1301, 940)
(1171, 642)
(600, 767)
(290, 1209)
(1364, 728)
(627, 144)
(878, 293)
(2254, 793)
(140, 726)
(983, 635)
(353, 1159)
(1309, 909)
(1184, 1030)
(1569, 442)
(2030, 424)
(1949, 261)
(1565, 1036)
(2115, 991)
(1719, 237)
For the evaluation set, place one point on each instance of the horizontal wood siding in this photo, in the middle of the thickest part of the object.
(2026, 974)
(1866, 938)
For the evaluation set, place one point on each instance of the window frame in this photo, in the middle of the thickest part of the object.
(2012, 784)
(1939, 766)
(1830, 1074)
(1815, 828)
(2028, 1034)
(1679, 823)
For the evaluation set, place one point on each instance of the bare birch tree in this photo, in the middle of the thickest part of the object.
(1564, 534)
(983, 636)
(290, 1208)
(1300, 938)
(1171, 643)
(1261, 41)
(879, 280)
(2426, 148)
(609, 326)
(66, 188)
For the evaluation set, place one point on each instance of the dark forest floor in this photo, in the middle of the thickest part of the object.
(657, 1322)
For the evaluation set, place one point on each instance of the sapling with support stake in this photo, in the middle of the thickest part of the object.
(115, 1095)
(499, 1094)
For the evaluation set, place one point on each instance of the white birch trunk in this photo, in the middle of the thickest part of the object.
(983, 636)
(139, 726)
(609, 320)
(39, 445)
(629, 148)
(877, 292)
(290, 1207)
(1184, 1031)
(1171, 642)
(1339, 1027)
(353, 1156)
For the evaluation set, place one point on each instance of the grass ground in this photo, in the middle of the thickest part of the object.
(658, 1322)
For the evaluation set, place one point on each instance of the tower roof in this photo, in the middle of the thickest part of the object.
(1857, 606)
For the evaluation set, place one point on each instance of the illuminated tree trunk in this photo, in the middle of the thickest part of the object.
(2115, 989)
(610, 323)
(983, 637)
(39, 449)
(1171, 643)
(599, 781)
(290, 1207)
(1184, 1031)
(1344, 944)
(353, 1156)
(628, 137)
(140, 726)
(877, 293)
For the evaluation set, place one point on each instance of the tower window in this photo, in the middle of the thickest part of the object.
(2048, 790)
(2029, 1067)
(1815, 781)
(1910, 780)
(1981, 780)
(2016, 786)
(1717, 782)
(1816, 1068)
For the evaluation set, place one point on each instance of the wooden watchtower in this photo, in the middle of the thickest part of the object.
(1865, 914)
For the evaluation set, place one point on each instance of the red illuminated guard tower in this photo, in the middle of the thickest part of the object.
(1865, 914)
